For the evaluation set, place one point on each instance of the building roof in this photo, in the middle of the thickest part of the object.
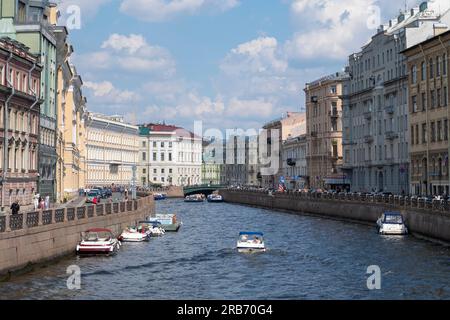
(164, 128)
(426, 41)
(337, 76)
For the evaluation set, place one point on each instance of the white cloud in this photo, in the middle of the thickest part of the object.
(88, 8)
(130, 53)
(106, 93)
(333, 28)
(162, 10)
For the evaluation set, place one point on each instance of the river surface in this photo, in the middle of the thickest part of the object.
(307, 258)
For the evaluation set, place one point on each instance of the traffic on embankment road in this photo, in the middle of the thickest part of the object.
(425, 219)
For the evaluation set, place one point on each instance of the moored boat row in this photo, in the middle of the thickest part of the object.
(102, 241)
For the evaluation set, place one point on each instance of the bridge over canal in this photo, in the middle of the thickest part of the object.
(204, 189)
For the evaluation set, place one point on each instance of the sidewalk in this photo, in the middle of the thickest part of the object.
(78, 201)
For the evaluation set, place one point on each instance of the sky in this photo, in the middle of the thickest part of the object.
(229, 63)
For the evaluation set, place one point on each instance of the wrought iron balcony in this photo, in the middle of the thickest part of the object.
(391, 135)
(368, 139)
(389, 109)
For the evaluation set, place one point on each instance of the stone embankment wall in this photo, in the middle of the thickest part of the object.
(427, 220)
(37, 237)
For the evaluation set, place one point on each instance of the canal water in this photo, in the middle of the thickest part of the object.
(308, 258)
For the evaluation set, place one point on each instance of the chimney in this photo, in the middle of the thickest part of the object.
(53, 14)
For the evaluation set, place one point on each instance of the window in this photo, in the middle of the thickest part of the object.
(433, 99)
(162, 157)
(423, 71)
(163, 171)
(144, 171)
(144, 156)
(433, 132)
(333, 89)
(154, 144)
(170, 170)
(414, 109)
(438, 67)
(144, 144)
(445, 97)
(424, 101)
(154, 156)
(155, 171)
(170, 144)
(170, 156)
(162, 144)
(424, 133)
(438, 98)
(414, 74)
(431, 68)
(444, 65)
(445, 130)
(439, 131)
(412, 134)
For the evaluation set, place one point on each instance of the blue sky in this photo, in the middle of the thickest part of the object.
(229, 63)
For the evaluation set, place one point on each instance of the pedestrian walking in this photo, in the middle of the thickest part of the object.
(15, 207)
(47, 202)
(36, 201)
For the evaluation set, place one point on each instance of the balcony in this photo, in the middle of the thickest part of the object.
(368, 139)
(389, 110)
(368, 115)
(335, 114)
(391, 135)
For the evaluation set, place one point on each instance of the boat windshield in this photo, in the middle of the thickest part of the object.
(258, 239)
(394, 219)
(97, 236)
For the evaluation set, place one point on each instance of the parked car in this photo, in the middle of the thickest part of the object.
(93, 196)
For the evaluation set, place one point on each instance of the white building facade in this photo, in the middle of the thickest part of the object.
(169, 155)
(112, 151)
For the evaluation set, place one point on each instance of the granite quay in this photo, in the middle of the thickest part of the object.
(423, 218)
(36, 237)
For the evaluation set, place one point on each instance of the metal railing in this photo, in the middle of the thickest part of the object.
(393, 201)
(47, 217)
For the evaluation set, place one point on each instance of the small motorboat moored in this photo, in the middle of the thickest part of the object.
(215, 198)
(134, 235)
(159, 196)
(153, 228)
(98, 241)
(194, 198)
(391, 223)
(169, 222)
(251, 242)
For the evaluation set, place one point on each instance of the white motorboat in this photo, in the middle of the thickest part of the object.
(98, 241)
(134, 235)
(153, 228)
(215, 198)
(391, 223)
(251, 242)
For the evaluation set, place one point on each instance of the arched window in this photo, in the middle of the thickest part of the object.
(444, 64)
(413, 74)
(438, 67)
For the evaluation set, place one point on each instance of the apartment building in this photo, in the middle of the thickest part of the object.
(429, 113)
(376, 135)
(324, 102)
